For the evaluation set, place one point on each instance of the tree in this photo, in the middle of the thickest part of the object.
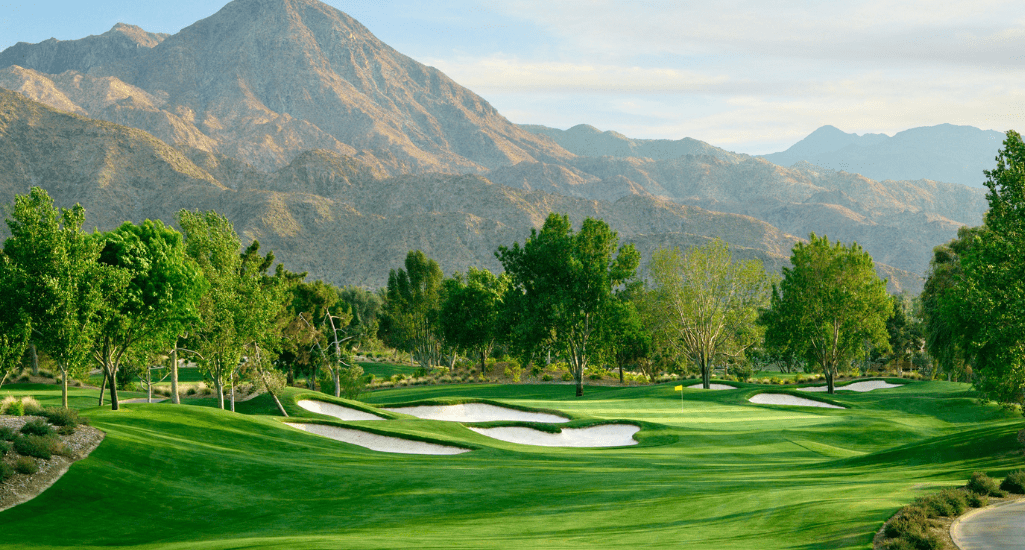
(471, 314)
(829, 303)
(15, 323)
(562, 283)
(984, 295)
(63, 287)
(707, 303)
(157, 305)
(628, 341)
(905, 331)
(413, 307)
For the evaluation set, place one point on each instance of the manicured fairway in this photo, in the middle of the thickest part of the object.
(711, 471)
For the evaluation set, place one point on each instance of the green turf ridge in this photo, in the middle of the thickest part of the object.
(373, 429)
(724, 474)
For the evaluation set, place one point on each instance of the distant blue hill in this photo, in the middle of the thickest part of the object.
(947, 153)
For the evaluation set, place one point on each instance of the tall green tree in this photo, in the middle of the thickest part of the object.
(562, 283)
(63, 287)
(985, 302)
(15, 323)
(707, 304)
(829, 303)
(471, 316)
(412, 310)
(905, 330)
(159, 303)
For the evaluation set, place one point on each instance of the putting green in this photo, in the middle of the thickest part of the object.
(710, 470)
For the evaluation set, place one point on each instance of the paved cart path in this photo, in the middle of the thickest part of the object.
(997, 528)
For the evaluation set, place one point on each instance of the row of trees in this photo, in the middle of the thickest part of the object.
(123, 299)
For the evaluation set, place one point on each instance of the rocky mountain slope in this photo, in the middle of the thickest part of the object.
(945, 152)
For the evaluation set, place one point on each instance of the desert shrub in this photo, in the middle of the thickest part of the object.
(66, 430)
(774, 380)
(6, 471)
(536, 370)
(25, 465)
(514, 371)
(948, 502)
(567, 377)
(898, 544)
(31, 406)
(191, 391)
(39, 446)
(975, 500)
(910, 519)
(984, 485)
(7, 434)
(15, 408)
(5, 447)
(10, 399)
(59, 416)
(1014, 482)
(547, 377)
(36, 427)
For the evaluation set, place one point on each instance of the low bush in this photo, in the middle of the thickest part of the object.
(5, 447)
(25, 465)
(39, 446)
(6, 471)
(567, 377)
(1014, 482)
(15, 408)
(547, 377)
(7, 434)
(975, 500)
(984, 485)
(36, 427)
(66, 430)
(910, 519)
(32, 407)
(6, 404)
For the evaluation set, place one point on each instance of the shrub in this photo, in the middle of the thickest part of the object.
(59, 416)
(32, 407)
(15, 408)
(66, 430)
(567, 377)
(910, 519)
(547, 377)
(5, 447)
(6, 471)
(984, 485)
(948, 502)
(1014, 482)
(25, 465)
(39, 446)
(10, 399)
(7, 434)
(36, 427)
(975, 500)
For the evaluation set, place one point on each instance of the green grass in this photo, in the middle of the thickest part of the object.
(711, 471)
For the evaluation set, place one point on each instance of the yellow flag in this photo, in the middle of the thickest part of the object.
(678, 388)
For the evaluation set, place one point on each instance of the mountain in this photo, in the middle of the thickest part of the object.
(948, 153)
(264, 80)
(588, 141)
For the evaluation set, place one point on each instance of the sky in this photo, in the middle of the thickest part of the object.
(751, 76)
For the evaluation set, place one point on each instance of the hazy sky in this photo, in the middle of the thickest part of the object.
(752, 76)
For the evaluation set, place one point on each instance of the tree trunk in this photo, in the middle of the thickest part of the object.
(219, 384)
(829, 380)
(580, 381)
(290, 376)
(113, 391)
(174, 376)
(64, 388)
(149, 385)
(35, 359)
(706, 375)
(232, 382)
(621, 373)
(103, 387)
(483, 360)
(338, 380)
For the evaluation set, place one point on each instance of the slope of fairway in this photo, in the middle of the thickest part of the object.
(710, 470)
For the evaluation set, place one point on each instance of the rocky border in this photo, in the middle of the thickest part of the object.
(23, 488)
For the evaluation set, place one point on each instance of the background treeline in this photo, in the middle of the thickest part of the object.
(146, 293)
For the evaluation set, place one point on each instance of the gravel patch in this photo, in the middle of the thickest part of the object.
(608, 435)
(23, 488)
(784, 399)
(375, 442)
(868, 385)
(712, 387)
(337, 411)
(476, 412)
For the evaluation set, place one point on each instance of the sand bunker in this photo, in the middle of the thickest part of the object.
(868, 385)
(713, 387)
(337, 411)
(609, 435)
(382, 443)
(475, 412)
(784, 399)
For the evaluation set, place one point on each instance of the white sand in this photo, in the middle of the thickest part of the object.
(713, 387)
(868, 385)
(382, 443)
(475, 412)
(337, 411)
(784, 399)
(608, 435)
